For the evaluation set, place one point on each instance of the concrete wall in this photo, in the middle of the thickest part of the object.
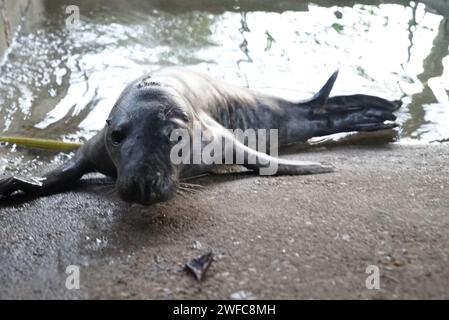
(11, 13)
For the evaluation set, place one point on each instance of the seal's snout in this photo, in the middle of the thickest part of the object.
(132, 190)
(144, 191)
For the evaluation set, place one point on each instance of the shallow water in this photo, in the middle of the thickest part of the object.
(58, 82)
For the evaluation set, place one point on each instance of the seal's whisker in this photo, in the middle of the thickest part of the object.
(184, 189)
(182, 194)
(111, 191)
(190, 185)
(195, 177)
(187, 190)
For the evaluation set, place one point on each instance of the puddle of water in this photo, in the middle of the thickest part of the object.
(61, 83)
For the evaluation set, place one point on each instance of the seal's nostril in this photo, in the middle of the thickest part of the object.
(154, 183)
(134, 183)
(128, 189)
(142, 190)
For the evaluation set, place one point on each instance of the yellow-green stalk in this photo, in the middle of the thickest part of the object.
(48, 144)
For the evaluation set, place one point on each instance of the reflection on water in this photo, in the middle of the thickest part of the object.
(60, 83)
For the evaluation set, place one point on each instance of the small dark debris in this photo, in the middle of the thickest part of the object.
(199, 266)
(338, 14)
(39, 252)
(147, 83)
(337, 27)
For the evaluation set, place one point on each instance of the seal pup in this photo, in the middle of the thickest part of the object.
(135, 145)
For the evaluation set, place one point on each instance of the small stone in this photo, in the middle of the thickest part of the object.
(199, 266)
(243, 295)
(197, 245)
(338, 14)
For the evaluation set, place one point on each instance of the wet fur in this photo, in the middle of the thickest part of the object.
(178, 93)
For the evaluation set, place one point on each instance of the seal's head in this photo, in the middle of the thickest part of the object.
(138, 141)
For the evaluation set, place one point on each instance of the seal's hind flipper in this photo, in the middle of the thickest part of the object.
(361, 102)
(358, 113)
(374, 126)
(319, 100)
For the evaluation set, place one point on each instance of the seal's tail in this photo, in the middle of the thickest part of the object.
(352, 112)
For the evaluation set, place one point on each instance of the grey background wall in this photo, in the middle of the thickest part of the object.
(12, 13)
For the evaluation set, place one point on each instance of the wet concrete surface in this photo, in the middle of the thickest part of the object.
(293, 237)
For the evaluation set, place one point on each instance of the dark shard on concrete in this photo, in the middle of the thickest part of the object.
(199, 266)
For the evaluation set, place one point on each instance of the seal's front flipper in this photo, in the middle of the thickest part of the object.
(55, 181)
(267, 165)
(260, 162)
(14, 183)
(92, 156)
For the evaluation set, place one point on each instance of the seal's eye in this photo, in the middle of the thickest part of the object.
(167, 132)
(172, 134)
(117, 136)
(176, 136)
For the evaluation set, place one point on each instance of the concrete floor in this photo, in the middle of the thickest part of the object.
(293, 237)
